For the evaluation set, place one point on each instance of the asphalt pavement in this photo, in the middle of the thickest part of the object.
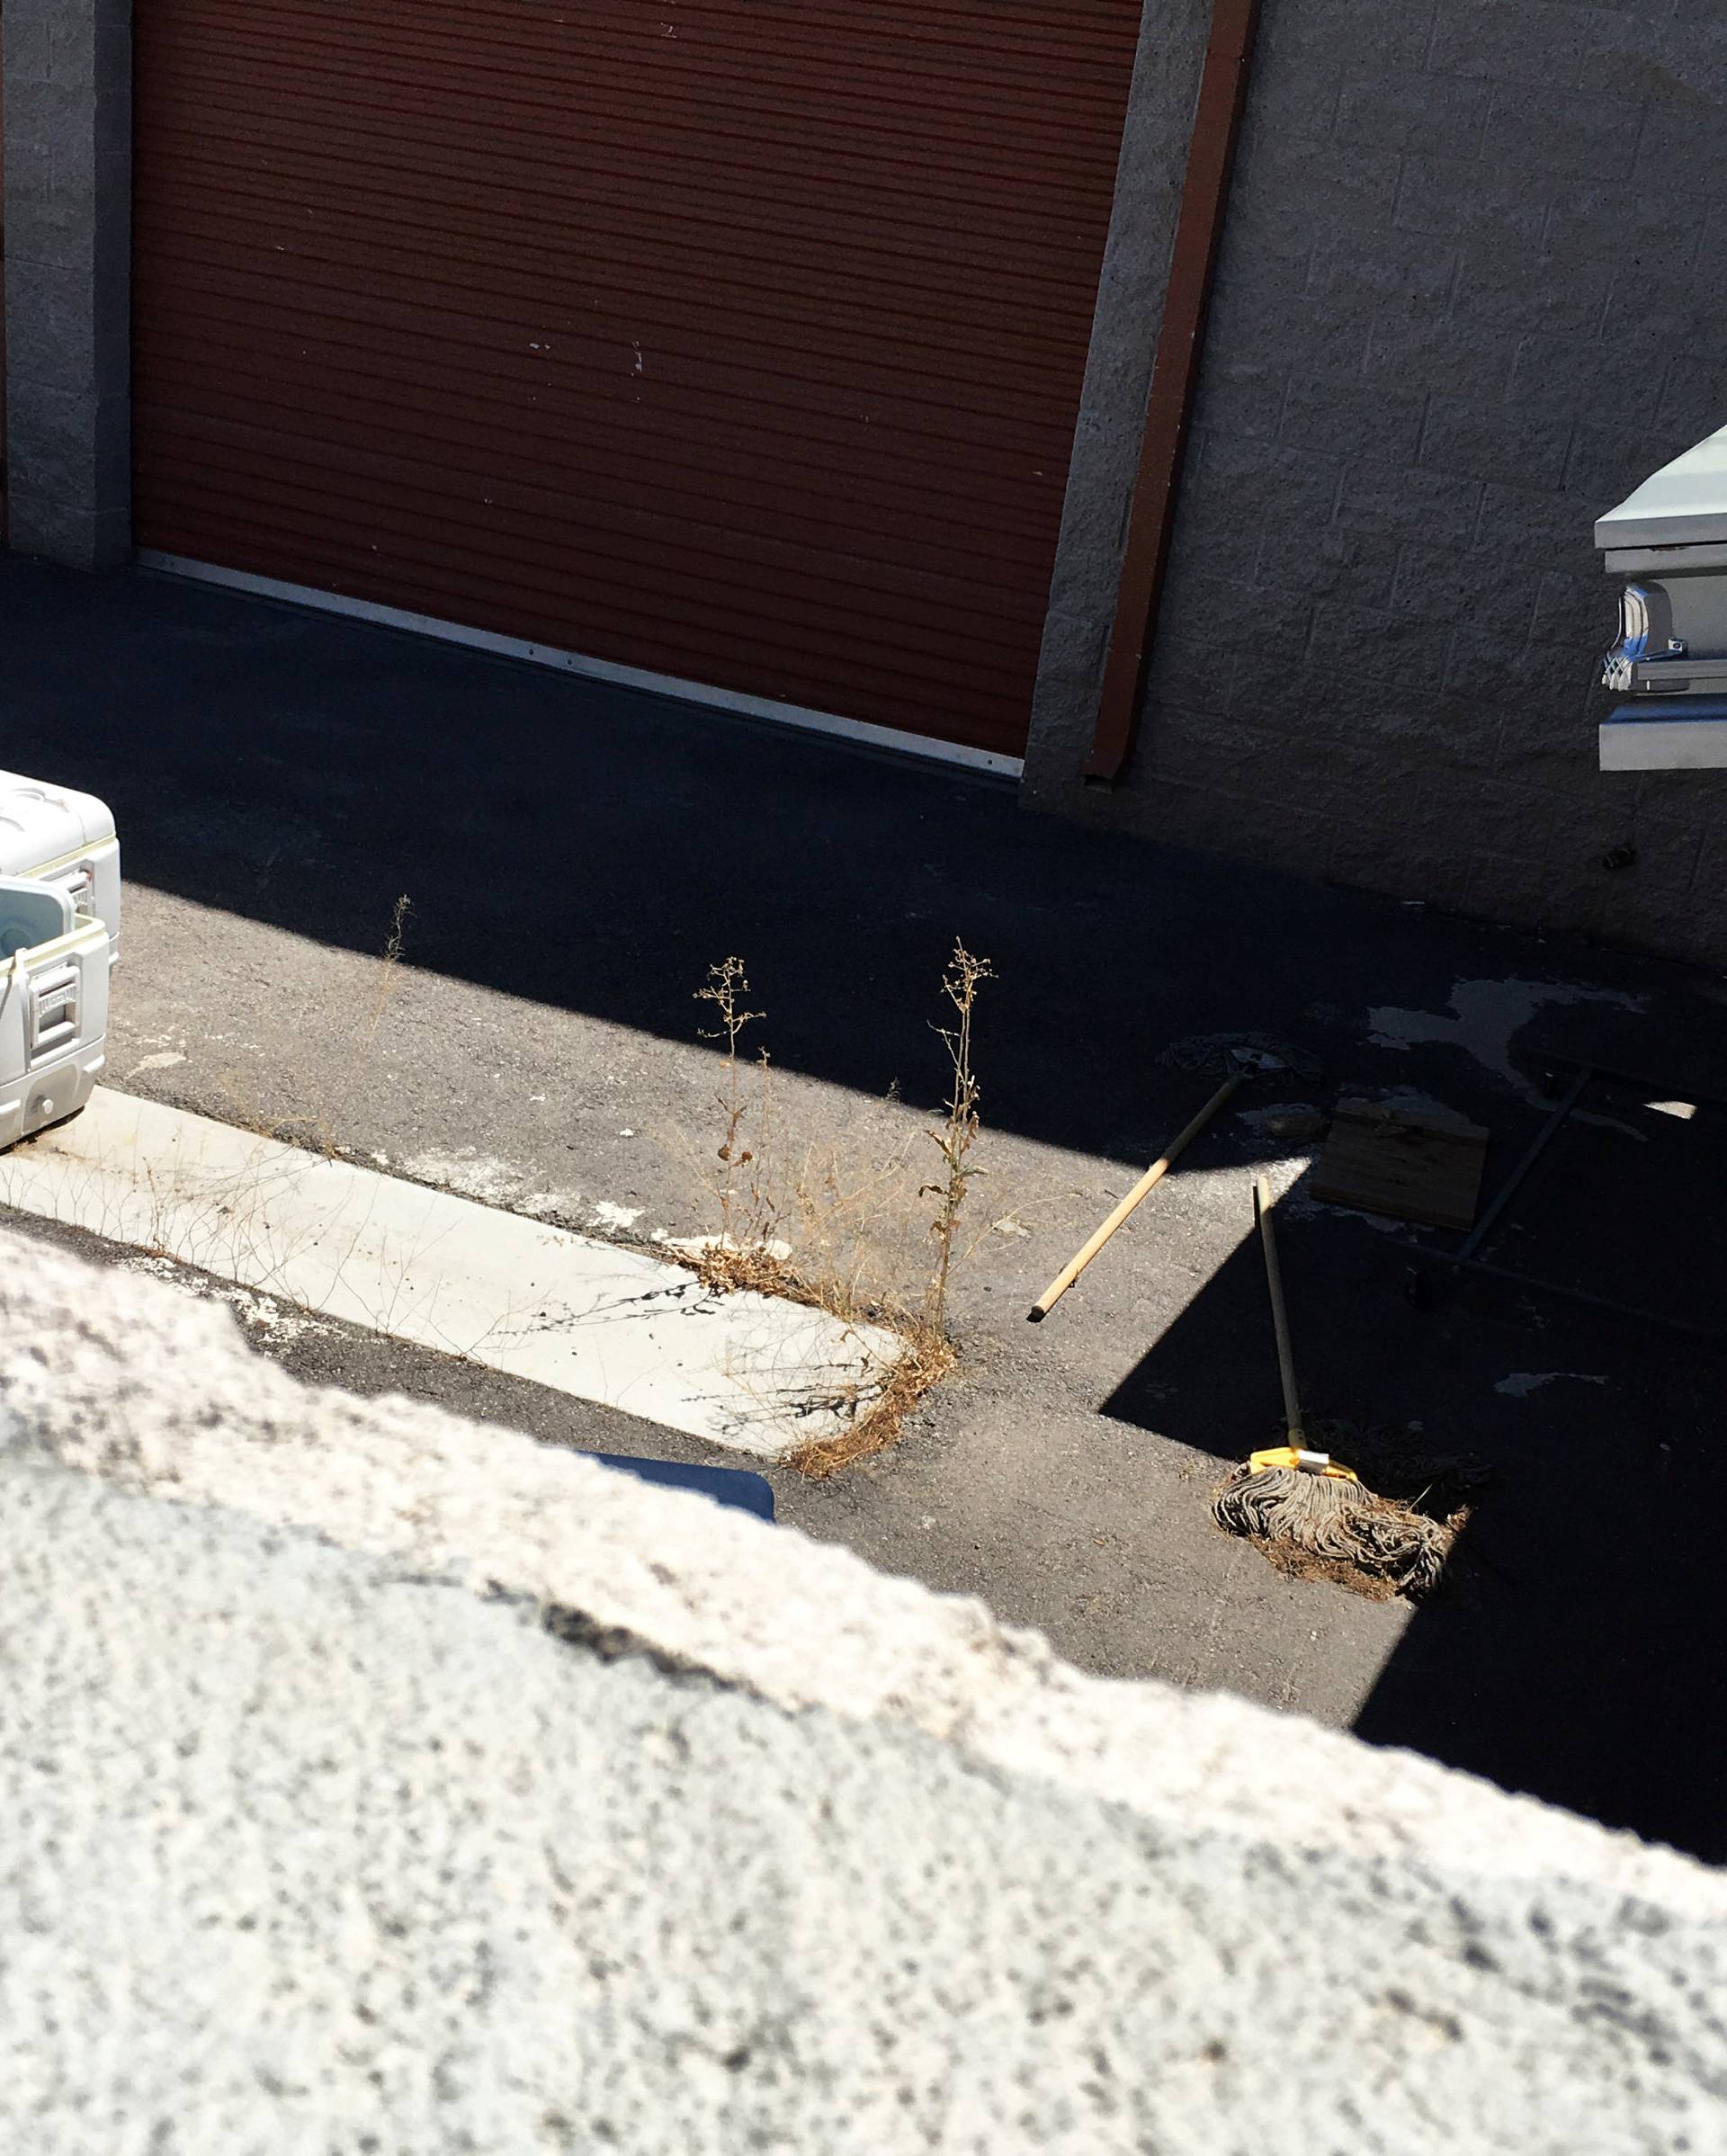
(577, 856)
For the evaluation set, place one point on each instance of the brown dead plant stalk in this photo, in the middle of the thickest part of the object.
(799, 1222)
(926, 1358)
(958, 1132)
(743, 1256)
(389, 959)
(929, 1354)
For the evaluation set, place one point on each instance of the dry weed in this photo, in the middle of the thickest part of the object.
(725, 989)
(926, 1358)
(958, 1134)
(389, 959)
(842, 1223)
(314, 1122)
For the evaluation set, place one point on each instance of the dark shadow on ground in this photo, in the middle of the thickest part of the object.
(593, 848)
(1575, 1652)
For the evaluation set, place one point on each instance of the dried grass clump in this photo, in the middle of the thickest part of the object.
(926, 1358)
(841, 1223)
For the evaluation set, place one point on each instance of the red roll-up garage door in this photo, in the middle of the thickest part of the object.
(736, 341)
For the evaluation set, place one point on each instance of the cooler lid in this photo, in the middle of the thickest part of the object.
(1684, 503)
(40, 823)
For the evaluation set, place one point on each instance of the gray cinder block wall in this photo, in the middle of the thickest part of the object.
(1472, 292)
(69, 248)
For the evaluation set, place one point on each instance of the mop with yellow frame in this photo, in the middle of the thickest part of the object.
(1310, 1515)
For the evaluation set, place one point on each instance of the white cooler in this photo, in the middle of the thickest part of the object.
(60, 940)
(54, 835)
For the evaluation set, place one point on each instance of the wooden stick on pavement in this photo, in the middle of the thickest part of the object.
(1135, 1197)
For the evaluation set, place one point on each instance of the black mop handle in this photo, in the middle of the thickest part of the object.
(1279, 1315)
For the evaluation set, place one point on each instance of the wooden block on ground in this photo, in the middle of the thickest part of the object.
(1409, 1165)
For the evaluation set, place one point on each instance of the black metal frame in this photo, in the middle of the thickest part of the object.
(1415, 1281)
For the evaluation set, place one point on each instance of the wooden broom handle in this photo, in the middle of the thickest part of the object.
(1135, 1197)
(1279, 1315)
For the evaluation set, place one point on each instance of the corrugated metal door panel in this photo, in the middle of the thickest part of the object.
(735, 340)
(982, 301)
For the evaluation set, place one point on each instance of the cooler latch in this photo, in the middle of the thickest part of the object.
(53, 1010)
(79, 884)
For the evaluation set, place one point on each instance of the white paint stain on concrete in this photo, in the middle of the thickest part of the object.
(1484, 1018)
(1302, 1202)
(1521, 1384)
(491, 1181)
(165, 1060)
(1276, 1119)
(617, 1219)
(591, 1319)
(280, 1322)
(472, 1174)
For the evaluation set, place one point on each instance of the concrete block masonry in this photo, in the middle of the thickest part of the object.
(1465, 301)
(68, 190)
(827, 1864)
(755, 1372)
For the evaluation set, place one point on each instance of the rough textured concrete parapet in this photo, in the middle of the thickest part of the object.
(318, 1831)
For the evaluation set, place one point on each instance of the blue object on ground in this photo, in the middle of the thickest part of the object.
(733, 1486)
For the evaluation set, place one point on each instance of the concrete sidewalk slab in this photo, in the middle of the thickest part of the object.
(596, 1320)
